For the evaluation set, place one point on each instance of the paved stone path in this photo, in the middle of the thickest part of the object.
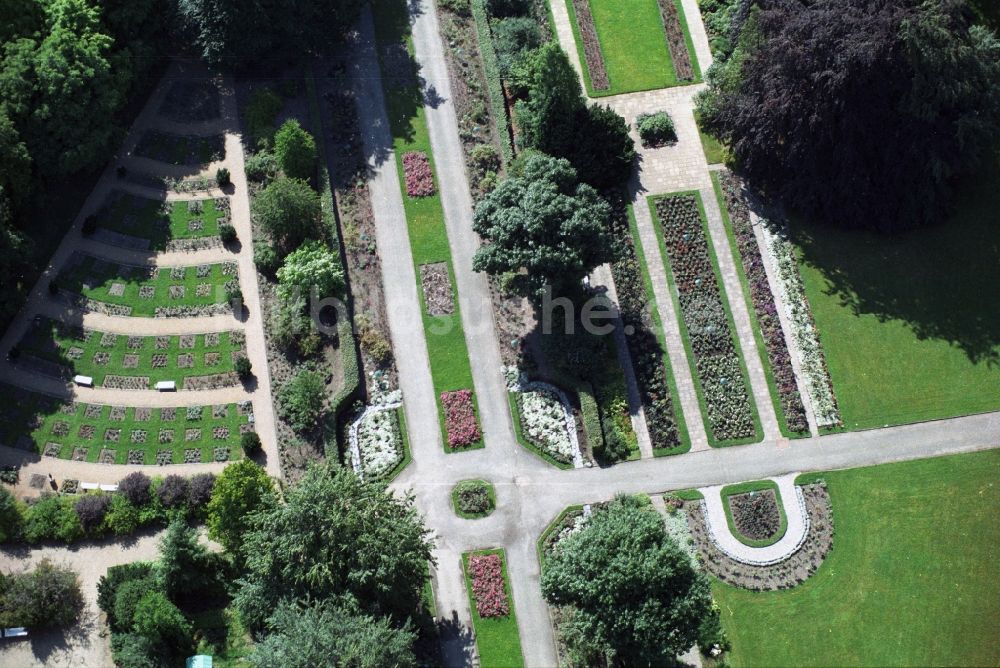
(795, 532)
(40, 303)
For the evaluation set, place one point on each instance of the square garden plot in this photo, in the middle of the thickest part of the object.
(180, 149)
(143, 433)
(114, 360)
(145, 289)
(159, 221)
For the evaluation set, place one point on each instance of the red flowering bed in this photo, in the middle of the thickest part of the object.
(487, 585)
(460, 418)
(419, 179)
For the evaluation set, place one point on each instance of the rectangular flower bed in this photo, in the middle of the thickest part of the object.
(380, 442)
(724, 386)
(460, 418)
(488, 588)
(419, 178)
(648, 361)
(675, 40)
(591, 45)
(763, 303)
(544, 425)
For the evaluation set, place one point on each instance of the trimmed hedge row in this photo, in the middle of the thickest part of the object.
(491, 69)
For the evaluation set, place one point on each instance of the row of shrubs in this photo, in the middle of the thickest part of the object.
(140, 501)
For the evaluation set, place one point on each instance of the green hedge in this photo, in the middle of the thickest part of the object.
(344, 399)
(591, 417)
(492, 72)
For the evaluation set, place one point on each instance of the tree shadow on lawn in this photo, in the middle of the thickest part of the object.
(942, 281)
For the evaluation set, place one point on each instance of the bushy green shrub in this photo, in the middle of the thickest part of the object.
(656, 129)
(127, 599)
(250, 442)
(11, 516)
(223, 177)
(261, 112)
(261, 166)
(51, 517)
(303, 399)
(289, 210)
(243, 367)
(113, 580)
(295, 150)
(227, 233)
(312, 266)
(47, 597)
(122, 518)
(266, 257)
(502, 8)
(513, 37)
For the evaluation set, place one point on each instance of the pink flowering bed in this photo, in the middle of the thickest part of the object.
(460, 418)
(419, 179)
(487, 585)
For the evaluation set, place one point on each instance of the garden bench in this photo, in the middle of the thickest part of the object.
(15, 632)
(85, 381)
(109, 488)
(88, 486)
(166, 386)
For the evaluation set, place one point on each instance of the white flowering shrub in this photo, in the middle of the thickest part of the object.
(543, 423)
(380, 442)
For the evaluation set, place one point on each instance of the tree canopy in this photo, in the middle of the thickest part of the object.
(289, 209)
(632, 594)
(241, 490)
(545, 223)
(296, 150)
(312, 265)
(335, 537)
(861, 113)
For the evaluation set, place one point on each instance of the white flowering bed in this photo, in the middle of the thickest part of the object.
(546, 418)
(803, 335)
(376, 441)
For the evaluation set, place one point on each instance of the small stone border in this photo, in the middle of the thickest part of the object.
(747, 558)
(521, 385)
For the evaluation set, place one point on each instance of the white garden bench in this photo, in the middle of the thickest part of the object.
(15, 632)
(166, 386)
(85, 381)
(89, 486)
(109, 488)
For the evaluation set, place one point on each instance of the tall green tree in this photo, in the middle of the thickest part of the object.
(240, 491)
(185, 565)
(632, 594)
(553, 102)
(166, 628)
(545, 223)
(311, 265)
(296, 150)
(336, 537)
(861, 113)
(289, 209)
(328, 634)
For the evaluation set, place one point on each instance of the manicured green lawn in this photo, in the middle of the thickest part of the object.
(446, 346)
(497, 638)
(31, 421)
(633, 44)
(161, 221)
(158, 358)
(97, 280)
(912, 578)
(910, 324)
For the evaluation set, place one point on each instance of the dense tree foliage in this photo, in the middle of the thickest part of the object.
(295, 150)
(47, 597)
(184, 562)
(289, 210)
(631, 593)
(327, 634)
(312, 266)
(241, 490)
(240, 33)
(545, 223)
(335, 537)
(862, 113)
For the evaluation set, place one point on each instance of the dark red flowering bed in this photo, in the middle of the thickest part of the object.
(763, 304)
(417, 170)
(487, 585)
(591, 45)
(675, 40)
(460, 418)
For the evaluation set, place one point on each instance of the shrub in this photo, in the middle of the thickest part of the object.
(502, 8)
(513, 37)
(261, 166)
(47, 597)
(295, 150)
(303, 400)
(11, 516)
(604, 152)
(109, 584)
(51, 517)
(419, 177)
(223, 177)
(127, 599)
(243, 367)
(91, 509)
(159, 620)
(251, 443)
(289, 210)
(460, 7)
(173, 491)
(89, 225)
(200, 489)
(233, 290)
(122, 518)
(460, 418)
(262, 110)
(266, 257)
(656, 129)
(313, 266)
(488, 585)
(374, 344)
(472, 497)
(227, 233)
(135, 488)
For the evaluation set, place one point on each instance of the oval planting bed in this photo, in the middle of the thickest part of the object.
(755, 513)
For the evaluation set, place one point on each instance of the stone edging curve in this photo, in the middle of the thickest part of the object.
(520, 386)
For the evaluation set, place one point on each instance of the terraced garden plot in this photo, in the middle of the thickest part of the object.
(181, 149)
(194, 361)
(119, 434)
(708, 331)
(144, 291)
(191, 101)
(173, 225)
